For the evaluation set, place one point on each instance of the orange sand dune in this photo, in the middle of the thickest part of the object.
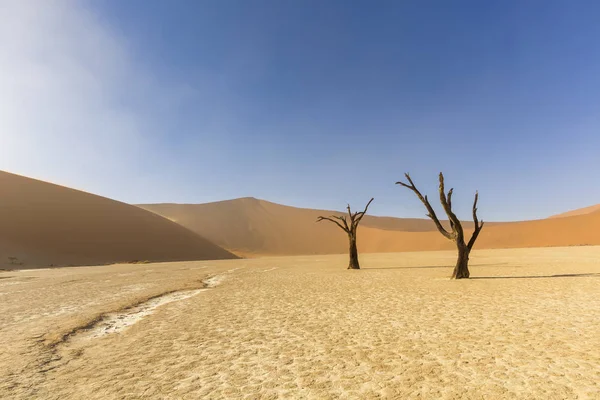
(569, 231)
(255, 227)
(43, 224)
(580, 211)
(250, 226)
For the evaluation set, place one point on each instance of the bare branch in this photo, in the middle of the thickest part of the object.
(411, 186)
(427, 205)
(454, 221)
(450, 205)
(478, 225)
(334, 221)
(349, 212)
(367, 206)
(343, 219)
(362, 213)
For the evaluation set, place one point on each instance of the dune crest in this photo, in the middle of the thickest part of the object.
(579, 211)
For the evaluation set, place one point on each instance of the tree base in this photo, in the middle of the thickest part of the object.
(461, 270)
(460, 274)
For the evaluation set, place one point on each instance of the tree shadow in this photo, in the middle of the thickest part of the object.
(432, 266)
(443, 266)
(591, 274)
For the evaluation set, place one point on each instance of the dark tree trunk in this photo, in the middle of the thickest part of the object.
(353, 254)
(461, 270)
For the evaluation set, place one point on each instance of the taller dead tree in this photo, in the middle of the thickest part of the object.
(456, 234)
(349, 226)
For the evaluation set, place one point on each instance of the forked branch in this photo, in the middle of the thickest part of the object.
(478, 225)
(431, 212)
(355, 218)
(446, 201)
(359, 215)
(330, 219)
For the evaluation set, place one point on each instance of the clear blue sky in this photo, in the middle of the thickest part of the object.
(307, 103)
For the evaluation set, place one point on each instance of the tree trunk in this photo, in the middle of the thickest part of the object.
(353, 254)
(462, 264)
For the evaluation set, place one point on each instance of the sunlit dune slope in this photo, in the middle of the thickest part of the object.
(251, 226)
(257, 227)
(580, 211)
(43, 224)
(569, 231)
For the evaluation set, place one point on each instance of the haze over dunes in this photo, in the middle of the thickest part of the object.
(43, 224)
(256, 227)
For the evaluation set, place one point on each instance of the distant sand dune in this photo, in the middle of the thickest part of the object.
(42, 224)
(580, 211)
(46, 225)
(256, 227)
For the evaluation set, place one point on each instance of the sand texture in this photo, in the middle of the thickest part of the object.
(526, 327)
(48, 225)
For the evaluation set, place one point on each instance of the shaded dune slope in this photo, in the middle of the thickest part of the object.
(43, 224)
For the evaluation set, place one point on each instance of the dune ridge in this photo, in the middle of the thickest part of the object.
(579, 211)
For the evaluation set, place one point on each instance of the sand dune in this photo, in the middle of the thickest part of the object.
(579, 211)
(250, 227)
(526, 327)
(42, 224)
(45, 224)
(255, 227)
(579, 230)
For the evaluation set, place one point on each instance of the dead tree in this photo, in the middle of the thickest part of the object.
(456, 234)
(350, 228)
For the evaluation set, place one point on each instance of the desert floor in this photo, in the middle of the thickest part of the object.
(527, 326)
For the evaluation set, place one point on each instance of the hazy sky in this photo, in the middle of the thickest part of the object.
(307, 103)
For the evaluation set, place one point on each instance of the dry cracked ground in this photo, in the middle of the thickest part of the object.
(527, 327)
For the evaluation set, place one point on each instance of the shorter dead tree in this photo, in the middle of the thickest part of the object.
(350, 227)
(457, 234)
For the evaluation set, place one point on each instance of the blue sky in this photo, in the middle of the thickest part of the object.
(307, 103)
